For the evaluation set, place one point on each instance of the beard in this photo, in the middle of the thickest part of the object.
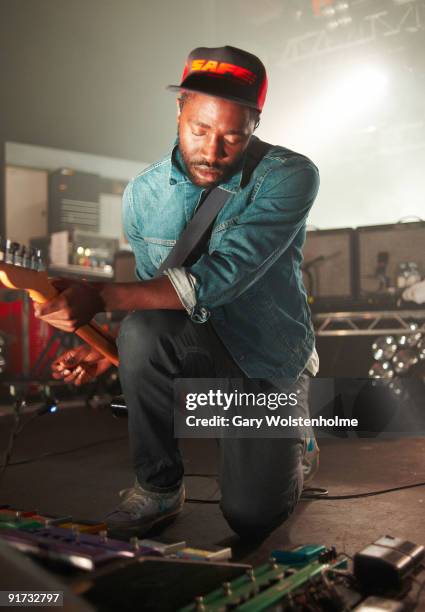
(205, 174)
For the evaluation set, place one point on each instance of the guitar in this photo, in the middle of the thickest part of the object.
(22, 268)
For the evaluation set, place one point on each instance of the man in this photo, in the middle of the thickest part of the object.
(236, 307)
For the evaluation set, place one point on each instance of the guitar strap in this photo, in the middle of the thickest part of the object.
(200, 226)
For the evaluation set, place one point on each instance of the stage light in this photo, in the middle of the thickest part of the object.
(347, 102)
(405, 359)
(357, 91)
(384, 348)
(341, 7)
(367, 83)
(328, 11)
(408, 340)
(420, 347)
(381, 369)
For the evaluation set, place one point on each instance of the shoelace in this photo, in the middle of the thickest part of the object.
(132, 499)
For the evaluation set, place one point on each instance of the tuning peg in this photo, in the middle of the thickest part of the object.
(39, 260)
(34, 259)
(14, 249)
(17, 253)
(23, 254)
(2, 249)
(9, 253)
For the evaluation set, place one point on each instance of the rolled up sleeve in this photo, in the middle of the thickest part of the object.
(263, 233)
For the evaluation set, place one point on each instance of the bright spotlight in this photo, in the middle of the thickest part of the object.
(361, 88)
(346, 102)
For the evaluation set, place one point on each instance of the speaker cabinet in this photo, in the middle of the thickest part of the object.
(382, 248)
(329, 264)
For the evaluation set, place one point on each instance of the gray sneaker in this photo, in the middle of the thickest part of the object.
(140, 510)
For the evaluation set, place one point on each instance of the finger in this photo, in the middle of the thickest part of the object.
(69, 359)
(71, 375)
(66, 375)
(74, 355)
(60, 316)
(57, 375)
(62, 324)
(80, 379)
(59, 367)
(55, 305)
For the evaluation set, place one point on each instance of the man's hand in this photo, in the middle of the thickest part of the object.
(75, 306)
(80, 365)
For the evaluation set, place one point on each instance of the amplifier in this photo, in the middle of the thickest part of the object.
(73, 201)
(25, 337)
(329, 264)
(383, 252)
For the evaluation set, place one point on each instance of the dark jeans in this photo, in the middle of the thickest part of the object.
(260, 479)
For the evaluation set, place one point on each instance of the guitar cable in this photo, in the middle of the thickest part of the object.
(308, 494)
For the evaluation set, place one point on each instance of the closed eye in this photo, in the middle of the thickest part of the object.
(233, 140)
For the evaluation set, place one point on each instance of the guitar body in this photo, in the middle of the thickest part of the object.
(39, 288)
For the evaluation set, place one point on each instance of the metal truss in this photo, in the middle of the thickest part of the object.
(385, 23)
(368, 323)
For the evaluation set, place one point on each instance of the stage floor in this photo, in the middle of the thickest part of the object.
(85, 482)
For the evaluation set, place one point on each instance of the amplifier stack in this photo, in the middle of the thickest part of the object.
(365, 267)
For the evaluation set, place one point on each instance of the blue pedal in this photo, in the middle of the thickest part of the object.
(299, 555)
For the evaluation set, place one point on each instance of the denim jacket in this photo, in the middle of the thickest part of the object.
(249, 283)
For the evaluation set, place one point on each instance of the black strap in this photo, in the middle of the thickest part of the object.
(204, 217)
(193, 232)
(256, 151)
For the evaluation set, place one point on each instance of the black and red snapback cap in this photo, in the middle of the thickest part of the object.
(225, 72)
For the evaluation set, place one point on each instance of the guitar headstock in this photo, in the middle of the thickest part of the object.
(16, 254)
(22, 268)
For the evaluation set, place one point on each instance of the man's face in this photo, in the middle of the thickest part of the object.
(213, 135)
